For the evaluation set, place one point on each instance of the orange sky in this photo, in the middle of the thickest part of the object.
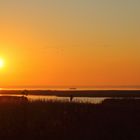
(73, 43)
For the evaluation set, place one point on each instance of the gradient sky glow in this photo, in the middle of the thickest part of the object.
(70, 42)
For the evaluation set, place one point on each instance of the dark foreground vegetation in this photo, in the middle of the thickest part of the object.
(111, 120)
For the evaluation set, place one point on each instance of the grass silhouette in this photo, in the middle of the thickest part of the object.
(51, 120)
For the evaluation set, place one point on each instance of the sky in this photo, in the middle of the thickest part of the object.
(69, 42)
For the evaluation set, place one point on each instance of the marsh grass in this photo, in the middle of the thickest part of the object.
(53, 120)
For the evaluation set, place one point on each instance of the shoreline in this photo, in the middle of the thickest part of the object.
(77, 93)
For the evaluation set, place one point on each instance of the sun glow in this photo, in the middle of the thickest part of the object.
(1, 63)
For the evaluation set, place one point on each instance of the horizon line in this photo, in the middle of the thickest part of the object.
(71, 86)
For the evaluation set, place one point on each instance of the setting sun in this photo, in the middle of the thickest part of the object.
(1, 63)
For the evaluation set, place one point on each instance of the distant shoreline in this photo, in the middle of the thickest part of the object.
(78, 93)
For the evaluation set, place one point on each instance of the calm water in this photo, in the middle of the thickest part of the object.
(77, 88)
(67, 99)
(94, 100)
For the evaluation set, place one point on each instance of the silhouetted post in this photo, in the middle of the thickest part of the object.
(71, 98)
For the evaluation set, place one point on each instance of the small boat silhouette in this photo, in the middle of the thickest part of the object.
(73, 88)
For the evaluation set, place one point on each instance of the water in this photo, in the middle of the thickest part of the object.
(67, 99)
(75, 88)
(92, 100)
(95, 100)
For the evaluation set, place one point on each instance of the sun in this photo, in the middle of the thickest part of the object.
(1, 63)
